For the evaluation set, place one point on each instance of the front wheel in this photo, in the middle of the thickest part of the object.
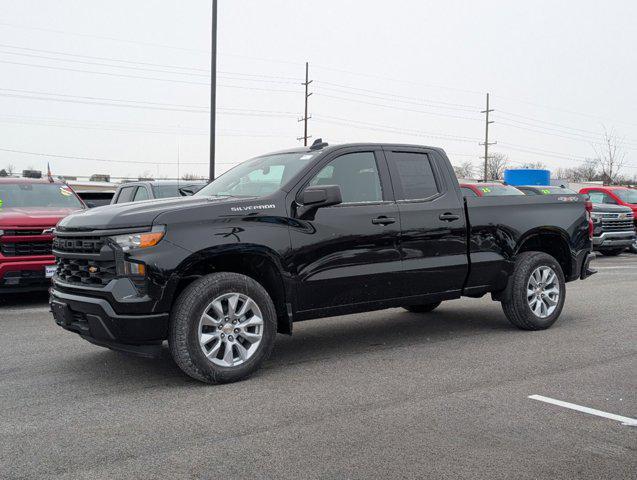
(633, 247)
(222, 328)
(537, 292)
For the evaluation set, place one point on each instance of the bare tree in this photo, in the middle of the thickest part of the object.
(10, 169)
(611, 154)
(192, 176)
(534, 165)
(588, 170)
(466, 170)
(496, 165)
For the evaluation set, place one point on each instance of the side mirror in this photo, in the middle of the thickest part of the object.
(318, 196)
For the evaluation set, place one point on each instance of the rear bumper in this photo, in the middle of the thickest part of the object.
(95, 320)
(614, 239)
(24, 274)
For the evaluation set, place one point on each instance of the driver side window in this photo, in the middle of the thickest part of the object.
(356, 174)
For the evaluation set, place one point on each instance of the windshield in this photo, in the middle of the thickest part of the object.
(181, 190)
(498, 190)
(258, 177)
(37, 195)
(627, 196)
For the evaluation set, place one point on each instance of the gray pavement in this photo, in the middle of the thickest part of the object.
(386, 394)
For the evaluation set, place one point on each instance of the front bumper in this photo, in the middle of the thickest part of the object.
(95, 320)
(614, 240)
(24, 274)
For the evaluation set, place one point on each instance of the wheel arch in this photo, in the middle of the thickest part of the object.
(552, 241)
(255, 261)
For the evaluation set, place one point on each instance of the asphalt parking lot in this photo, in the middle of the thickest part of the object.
(386, 394)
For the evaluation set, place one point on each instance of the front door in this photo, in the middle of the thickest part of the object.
(348, 253)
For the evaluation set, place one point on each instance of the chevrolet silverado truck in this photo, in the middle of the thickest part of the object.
(626, 197)
(29, 209)
(307, 233)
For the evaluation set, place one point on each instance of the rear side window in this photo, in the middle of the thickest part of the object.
(125, 194)
(415, 175)
(141, 194)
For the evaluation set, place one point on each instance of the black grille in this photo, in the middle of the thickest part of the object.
(78, 244)
(22, 249)
(609, 225)
(23, 233)
(85, 271)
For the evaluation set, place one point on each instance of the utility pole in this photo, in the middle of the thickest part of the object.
(213, 90)
(307, 95)
(486, 138)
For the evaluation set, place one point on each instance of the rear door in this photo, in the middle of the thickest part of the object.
(348, 253)
(433, 242)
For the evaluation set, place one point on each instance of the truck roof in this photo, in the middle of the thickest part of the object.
(330, 148)
(28, 180)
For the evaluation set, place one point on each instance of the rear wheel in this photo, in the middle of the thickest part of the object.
(612, 252)
(423, 308)
(222, 328)
(537, 292)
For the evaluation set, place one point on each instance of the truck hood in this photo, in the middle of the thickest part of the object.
(607, 208)
(135, 214)
(32, 216)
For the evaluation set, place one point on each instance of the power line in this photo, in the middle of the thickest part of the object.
(390, 129)
(93, 159)
(140, 77)
(393, 107)
(396, 97)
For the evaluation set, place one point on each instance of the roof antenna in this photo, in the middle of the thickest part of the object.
(318, 144)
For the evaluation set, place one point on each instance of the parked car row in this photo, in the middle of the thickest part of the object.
(31, 207)
(614, 211)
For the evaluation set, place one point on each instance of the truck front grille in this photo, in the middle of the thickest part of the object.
(78, 244)
(24, 232)
(84, 260)
(85, 271)
(23, 249)
(612, 225)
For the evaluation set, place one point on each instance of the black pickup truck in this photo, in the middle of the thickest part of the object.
(308, 233)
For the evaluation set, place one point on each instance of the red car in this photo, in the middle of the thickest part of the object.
(488, 190)
(615, 196)
(29, 209)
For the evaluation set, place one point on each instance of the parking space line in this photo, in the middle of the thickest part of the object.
(632, 422)
(23, 310)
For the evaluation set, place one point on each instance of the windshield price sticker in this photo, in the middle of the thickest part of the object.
(66, 191)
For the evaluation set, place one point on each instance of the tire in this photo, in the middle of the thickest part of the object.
(612, 252)
(633, 247)
(517, 307)
(424, 308)
(190, 329)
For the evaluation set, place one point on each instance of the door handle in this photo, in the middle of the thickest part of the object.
(448, 217)
(383, 220)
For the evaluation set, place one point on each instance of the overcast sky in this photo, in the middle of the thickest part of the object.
(126, 81)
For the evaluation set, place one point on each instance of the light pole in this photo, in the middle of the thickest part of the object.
(213, 89)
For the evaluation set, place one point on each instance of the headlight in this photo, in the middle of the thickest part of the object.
(132, 241)
(596, 217)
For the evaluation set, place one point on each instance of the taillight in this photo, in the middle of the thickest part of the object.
(588, 205)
